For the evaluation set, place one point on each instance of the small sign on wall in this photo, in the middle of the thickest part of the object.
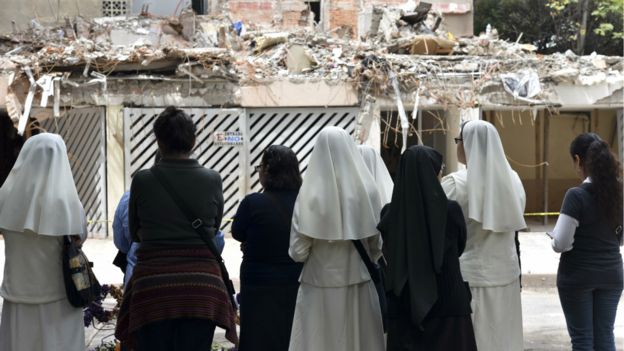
(222, 138)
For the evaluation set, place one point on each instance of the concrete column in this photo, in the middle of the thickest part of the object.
(115, 166)
(245, 158)
(620, 127)
(453, 123)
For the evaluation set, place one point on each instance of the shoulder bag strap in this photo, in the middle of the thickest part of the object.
(370, 266)
(198, 225)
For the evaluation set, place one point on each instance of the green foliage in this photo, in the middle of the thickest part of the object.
(607, 10)
(559, 5)
(514, 17)
(555, 25)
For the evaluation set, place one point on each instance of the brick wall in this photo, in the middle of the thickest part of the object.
(343, 18)
(258, 11)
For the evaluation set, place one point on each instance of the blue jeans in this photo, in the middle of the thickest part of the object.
(590, 315)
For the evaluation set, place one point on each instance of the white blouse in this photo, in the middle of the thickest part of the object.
(490, 258)
(333, 263)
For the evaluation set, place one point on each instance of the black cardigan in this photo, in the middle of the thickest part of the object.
(155, 217)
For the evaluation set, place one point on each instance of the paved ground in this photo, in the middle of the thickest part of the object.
(544, 325)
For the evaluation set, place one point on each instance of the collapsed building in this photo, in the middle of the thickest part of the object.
(397, 78)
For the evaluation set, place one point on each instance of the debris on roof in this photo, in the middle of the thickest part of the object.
(410, 44)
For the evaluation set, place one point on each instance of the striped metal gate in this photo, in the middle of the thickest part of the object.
(84, 133)
(141, 147)
(296, 128)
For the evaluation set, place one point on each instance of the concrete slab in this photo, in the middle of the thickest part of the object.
(289, 94)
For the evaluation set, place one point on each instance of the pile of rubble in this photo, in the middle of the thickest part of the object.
(107, 45)
(404, 49)
(232, 49)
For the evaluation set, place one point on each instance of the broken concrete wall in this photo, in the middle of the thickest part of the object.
(290, 13)
(343, 14)
(355, 14)
(288, 94)
(348, 15)
(154, 93)
(160, 8)
(44, 11)
(345, 17)
(458, 14)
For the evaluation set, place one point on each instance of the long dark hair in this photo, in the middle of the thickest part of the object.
(280, 169)
(605, 172)
(10, 145)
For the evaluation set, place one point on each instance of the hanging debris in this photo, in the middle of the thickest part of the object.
(410, 45)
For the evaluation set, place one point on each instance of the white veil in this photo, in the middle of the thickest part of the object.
(338, 199)
(496, 197)
(39, 194)
(378, 170)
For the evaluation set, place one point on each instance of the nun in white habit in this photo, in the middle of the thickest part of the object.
(39, 205)
(337, 306)
(378, 170)
(493, 199)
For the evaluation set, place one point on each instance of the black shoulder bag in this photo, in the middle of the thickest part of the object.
(377, 276)
(81, 285)
(198, 226)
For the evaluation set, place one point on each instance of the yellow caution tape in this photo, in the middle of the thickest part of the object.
(541, 214)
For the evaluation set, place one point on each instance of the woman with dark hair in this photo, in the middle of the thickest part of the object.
(10, 144)
(177, 294)
(424, 234)
(269, 277)
(588, 233)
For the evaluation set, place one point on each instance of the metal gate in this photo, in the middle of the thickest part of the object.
(296, 128)
(141, 148)
(84, 133)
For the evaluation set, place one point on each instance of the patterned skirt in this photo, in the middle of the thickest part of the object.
(173, 282)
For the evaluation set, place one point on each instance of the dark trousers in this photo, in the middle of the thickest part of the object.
(590, 315)
(176, 335)
(261, 304)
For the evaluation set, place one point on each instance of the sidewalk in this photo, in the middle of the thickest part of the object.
(544, 324)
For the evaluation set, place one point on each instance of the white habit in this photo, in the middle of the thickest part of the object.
(36, 315)
(379, 171)
(492, 199)
(39, 205)
(337, 304)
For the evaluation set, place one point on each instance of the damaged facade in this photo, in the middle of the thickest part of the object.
(392, 75)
